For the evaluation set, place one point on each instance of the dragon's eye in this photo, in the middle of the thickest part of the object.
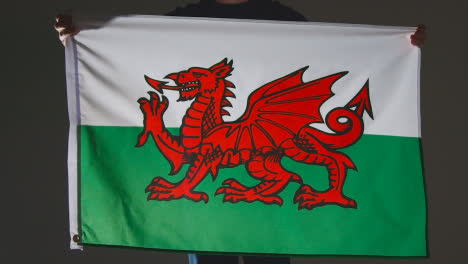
(198, 74)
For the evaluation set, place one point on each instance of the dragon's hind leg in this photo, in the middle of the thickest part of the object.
(307, 149)
(267, 168)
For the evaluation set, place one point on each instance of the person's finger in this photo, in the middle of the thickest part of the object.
(59, 27)
(418, 36)
(421, 27)
(64, 38)
(65, 27)
(62, 24)
(417, 42)
(68, 31)
(60, 30)
(63, 18)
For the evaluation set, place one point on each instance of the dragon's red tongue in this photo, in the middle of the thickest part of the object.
(159, 86)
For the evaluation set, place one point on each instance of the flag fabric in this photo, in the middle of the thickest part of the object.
(245, 136)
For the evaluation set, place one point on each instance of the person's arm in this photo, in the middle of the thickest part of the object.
(65, 27)
(419, 36)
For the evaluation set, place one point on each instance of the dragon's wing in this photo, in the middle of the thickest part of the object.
(275, 112)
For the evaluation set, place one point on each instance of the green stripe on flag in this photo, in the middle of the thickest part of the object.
(390, 219)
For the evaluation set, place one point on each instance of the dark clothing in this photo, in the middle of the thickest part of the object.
(219, 259)
(253, 9)
(265, 260)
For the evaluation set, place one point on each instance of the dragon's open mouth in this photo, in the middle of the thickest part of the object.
(189, 90)
(189, 86)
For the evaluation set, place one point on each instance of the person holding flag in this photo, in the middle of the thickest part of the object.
(239, 9)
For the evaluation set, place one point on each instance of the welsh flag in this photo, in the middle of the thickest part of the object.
(244, 136)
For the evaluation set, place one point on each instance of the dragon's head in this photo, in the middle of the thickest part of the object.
(196, 80)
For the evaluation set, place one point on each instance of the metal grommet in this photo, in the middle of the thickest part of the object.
(76, 238)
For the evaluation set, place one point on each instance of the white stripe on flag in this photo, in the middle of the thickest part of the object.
(119, 54)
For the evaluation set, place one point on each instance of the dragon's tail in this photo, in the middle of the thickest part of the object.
(348, 132)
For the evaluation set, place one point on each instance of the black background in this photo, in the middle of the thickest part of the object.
(35, 124)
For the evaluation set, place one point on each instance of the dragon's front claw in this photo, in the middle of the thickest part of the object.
(160, 182)
(162, 190)
(153, 109)
(308, 198)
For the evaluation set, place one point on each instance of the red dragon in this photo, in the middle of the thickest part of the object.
(275, 124)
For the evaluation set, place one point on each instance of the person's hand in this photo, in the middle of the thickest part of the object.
(65, 27)
(417, 39)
